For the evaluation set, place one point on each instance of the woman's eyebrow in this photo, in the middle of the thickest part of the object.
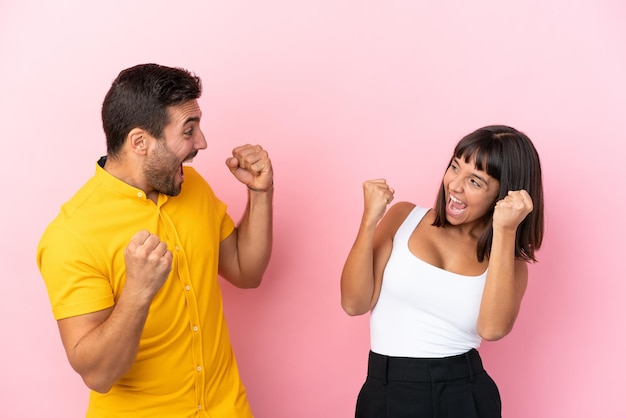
(455, 160)
(481, 178)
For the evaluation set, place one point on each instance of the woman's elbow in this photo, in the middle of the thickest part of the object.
(494, 333)
(354, 309)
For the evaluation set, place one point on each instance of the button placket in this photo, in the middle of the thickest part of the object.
(191, 303)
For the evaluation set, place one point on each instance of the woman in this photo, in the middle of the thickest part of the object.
(438, 281)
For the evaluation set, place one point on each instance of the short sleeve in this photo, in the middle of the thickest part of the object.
(75, 286)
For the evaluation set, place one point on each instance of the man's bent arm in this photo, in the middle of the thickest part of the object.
(103, 345)
(245, 254)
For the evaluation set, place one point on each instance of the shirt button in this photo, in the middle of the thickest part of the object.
(139, 194)
(199, 407)
(199, 368)
(195, 328)
(177, 249)
(187, 288)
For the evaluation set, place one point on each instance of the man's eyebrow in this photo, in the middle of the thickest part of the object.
(192, 119)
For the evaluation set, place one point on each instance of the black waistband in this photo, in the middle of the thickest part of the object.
(406, 369)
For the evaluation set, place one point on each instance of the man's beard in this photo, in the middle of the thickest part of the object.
(160, 170)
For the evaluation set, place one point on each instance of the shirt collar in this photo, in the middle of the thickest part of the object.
(112, 182)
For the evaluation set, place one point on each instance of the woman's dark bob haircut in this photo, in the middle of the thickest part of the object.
(510, 157)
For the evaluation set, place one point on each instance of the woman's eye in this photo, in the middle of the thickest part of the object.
(475, 183)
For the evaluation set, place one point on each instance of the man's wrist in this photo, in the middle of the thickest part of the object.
(271, 186)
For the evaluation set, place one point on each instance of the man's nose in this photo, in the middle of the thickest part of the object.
(201, 142)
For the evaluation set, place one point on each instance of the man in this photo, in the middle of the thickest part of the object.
(131, 262)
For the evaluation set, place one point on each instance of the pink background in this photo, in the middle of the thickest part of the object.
(338, 91)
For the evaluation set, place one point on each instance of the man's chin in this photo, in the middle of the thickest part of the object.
(172, 191)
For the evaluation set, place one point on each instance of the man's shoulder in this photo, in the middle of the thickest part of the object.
(88, 195)
(195, 182)
(87, 207)
(191, 174)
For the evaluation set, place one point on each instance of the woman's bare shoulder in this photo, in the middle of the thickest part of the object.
(401, 209)
(394, 217)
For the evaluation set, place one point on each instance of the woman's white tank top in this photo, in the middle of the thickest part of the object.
(423, 310)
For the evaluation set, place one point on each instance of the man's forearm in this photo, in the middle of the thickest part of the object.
(255, 232)
(107, 352)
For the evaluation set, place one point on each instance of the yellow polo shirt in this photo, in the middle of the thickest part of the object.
(185, 366)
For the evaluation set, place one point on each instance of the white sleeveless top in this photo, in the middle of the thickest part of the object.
(422, 310)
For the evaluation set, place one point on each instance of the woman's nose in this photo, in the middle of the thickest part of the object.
(455, 184)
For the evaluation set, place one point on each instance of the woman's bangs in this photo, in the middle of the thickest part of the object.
(483, 155)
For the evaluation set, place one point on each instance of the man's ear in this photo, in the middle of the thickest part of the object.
(138, 141)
